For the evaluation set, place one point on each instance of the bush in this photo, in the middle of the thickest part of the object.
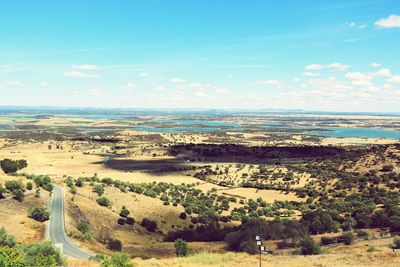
(14, 185)
(40, 214)
(99, 189)
(130, 221)
(396, 243)
(362, 234)
(124, 212)
(371, 249)
(183, 215)
(250, 247)
(117, 259)
(83, 227)
(309, 247)
(327, 240)
(395, 224)
(348, 238)
(150, 225)
(121, 221)
(18, 195)
(181, 248)
(29, 186)
(115, 244)
(42, 254)
(11, 166)
(103, 201)
(6, 239)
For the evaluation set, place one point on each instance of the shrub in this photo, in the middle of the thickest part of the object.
(29, 186)
(309, 247)
(396, 243)
(99, 189)
(371, 249)
(250, 247)
(10, 166)
(363, 234)
(327, 240)
(130, 221)
(348, 238)
(181, 248)
(117, 259)
(394, 223)
(103, 201)
(18, 195)
(14, 185)
(42, 254)
(6, 239)
(83, 227)
(124, 212)
(40, 214)
(183, 215)
(115, 244)
(121, 221)
(150, 225)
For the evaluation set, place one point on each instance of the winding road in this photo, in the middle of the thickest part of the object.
(56, 230)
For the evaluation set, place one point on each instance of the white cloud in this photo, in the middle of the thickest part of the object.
(356, 25)
(177, 80)
(390, 22)
(310, 74)
(313, 67)
(143, 74)
(338, 67)
(14, 83)
(44, 84)
(375, 65)
(79, 74)
(95, 92)
(359, 79)
(129, 86)
(382, 73)
(85, 67)
(275, 83)
(395, 79)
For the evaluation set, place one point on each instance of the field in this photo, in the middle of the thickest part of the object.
(194, 182)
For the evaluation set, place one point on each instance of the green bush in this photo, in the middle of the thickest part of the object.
(124, 212)
(103, 201)
(150, 225)
(325, 240)
(117, 259)
(309, 247)
(115, 244)
(181, 248)
(11, 166)
(43, 254)
(121, 221)
(13, 185)
(396, 243)
(29, 186)
(83, 227)
(250, 247)
(130, 221)
(348, 238)
(6, 239)
(40, 214)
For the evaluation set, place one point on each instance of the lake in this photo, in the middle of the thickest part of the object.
(357, 132)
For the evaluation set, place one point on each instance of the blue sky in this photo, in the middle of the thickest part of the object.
(317, 55)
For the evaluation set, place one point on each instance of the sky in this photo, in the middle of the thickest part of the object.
(245, 54)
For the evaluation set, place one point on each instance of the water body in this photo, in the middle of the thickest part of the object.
(358, 132)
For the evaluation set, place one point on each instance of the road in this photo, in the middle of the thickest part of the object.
(56, 229)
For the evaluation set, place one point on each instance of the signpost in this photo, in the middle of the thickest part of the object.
(260, 245)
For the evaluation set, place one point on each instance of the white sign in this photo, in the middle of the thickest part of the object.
(262, 248)
(258, 237)
(258, 243)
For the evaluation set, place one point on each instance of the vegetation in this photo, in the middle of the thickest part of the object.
(11, 166)
(115, 244)
(181, 248)
(309, 247)
(103, 201)
(40, 214)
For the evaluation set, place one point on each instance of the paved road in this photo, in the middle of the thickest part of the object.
(57, 227)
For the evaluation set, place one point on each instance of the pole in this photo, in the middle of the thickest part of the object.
(260, 257)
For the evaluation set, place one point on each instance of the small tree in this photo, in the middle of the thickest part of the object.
(309, 247)
(124, 212)
(396, 243)
(18, 195)
(348, 238)
(29, 186)
(6, 239)
(117, 259)
(183, 215)
(103, 201)
(181, 248)
(115, 244)
(40, 214)
(121, 221)
(99, 189)
(130, 221)
(83, 227)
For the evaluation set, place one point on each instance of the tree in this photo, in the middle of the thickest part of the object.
(181, 248)
(13, 185)
(396, 243)
(42, 255)
(183, 215)
(99, 189)
(18, 195)
(40, 214)
(115, 244)
(103, 201)
(11, 166)
(124, 212)
(2, 191)
(6, 239)
(130, 221)
(150, 225)
(117, 259)
(348, 238)
(83, 227)
(29, 186)
(309, 247)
